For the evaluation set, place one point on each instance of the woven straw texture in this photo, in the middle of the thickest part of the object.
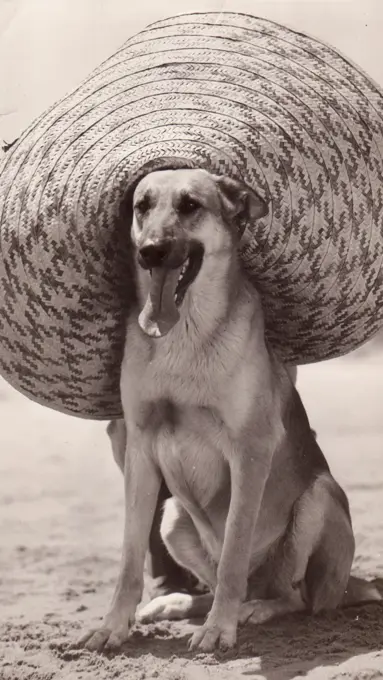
(228, 92)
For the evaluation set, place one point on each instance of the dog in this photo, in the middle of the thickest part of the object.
(254, 513)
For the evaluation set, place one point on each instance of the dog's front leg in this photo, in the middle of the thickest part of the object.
(142, 484)
(249, 473)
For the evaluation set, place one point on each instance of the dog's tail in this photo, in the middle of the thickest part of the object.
(359, 591)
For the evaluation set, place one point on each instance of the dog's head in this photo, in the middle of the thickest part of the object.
(180, 217)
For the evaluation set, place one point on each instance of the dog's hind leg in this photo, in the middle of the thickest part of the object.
(312, 565)
(116, 431)
(167, 575)
(259, 611)
(176, 606)
(293, 373)
(183, 543)
(332, 545)
(328, 581)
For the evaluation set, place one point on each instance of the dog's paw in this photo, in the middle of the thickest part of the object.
(214, 635)
(108, 637)
(256, 611)
(170, 607)
(103, 639)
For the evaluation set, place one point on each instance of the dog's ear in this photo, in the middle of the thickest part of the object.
(240, 203)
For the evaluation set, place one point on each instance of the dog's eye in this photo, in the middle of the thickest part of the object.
(188, 205)
(142, 206)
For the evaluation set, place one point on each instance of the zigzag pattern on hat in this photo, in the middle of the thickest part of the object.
(232, 93)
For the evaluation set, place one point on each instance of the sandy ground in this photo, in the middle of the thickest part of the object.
(61, 526)
(60, 493)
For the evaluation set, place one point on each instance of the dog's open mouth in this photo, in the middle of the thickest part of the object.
(168, 287)
(188, 273)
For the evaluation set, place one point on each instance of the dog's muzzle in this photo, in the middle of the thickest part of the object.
(155, 254)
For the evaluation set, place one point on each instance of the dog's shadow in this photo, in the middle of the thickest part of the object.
(285, 648)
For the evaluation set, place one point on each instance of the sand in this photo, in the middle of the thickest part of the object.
(61, 513)
(61, 501)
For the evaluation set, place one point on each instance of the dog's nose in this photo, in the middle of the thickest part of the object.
(155, 254)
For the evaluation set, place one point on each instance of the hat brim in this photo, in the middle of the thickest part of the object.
(236, 95)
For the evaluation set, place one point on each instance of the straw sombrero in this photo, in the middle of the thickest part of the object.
(231, 93)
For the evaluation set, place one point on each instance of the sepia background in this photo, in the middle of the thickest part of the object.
(61, 502)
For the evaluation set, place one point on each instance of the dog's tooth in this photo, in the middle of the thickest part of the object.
(182, 273)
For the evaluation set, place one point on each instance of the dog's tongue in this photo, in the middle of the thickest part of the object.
(160, 313)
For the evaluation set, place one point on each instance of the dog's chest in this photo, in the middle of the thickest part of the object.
(160, 382)
(189, 446)
(188, 378)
